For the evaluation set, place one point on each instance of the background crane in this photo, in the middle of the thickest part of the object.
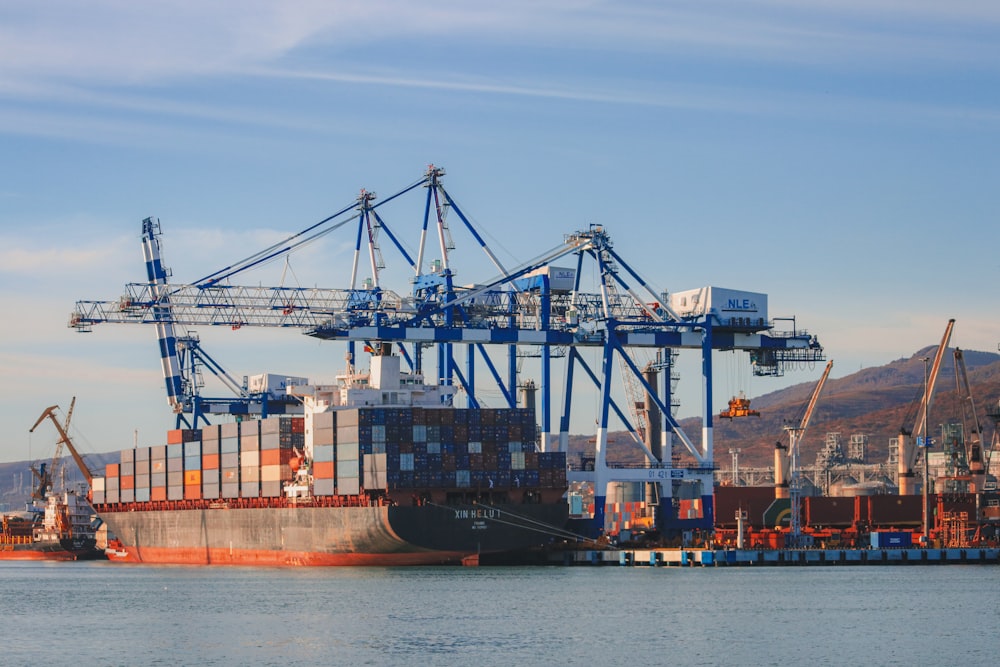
(65, 439)
(908, 437)
(976, 461)
(787, 476)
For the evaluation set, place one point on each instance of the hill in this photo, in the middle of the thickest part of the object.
(875, 402)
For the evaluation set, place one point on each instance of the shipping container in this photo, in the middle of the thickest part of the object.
(891, 539)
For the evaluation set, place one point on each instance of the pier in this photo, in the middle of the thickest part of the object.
(774, 558)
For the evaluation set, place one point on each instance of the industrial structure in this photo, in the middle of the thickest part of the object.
(537, 307)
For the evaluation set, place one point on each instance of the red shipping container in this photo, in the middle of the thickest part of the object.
(209, 461)
(111, 470)
(127, 482)
(158, 493)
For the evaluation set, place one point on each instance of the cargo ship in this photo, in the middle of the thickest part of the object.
(64, 528)
(379, 469)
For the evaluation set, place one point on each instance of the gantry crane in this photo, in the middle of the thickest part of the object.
(908, 437)
(538, 303)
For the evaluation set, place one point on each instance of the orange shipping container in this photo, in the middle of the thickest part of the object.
(127, 482)
(192, 492)
(209, 461)
(111, 470)
(192, 478)
(175, 436)
(323, 469)
(158, 493)
(274, 457)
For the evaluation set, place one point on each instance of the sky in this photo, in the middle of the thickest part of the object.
(841, 157)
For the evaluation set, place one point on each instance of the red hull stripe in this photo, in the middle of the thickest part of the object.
(188, 556)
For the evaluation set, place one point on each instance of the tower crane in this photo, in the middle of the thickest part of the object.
(908, 437)
(787, 477)
(536, 303)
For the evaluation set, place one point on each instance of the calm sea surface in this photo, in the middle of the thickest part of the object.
(105, 614)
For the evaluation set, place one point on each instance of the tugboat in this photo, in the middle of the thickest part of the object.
(55, 525)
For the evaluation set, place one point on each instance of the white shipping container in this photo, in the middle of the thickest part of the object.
(348, 470)
(561, 279)
(272, 384)
(375, 474)
(323, 487)
(726, 305)
(349, 487)
(347, 451)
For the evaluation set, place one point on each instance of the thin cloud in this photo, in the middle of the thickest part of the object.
(41, 261)
(115, 42)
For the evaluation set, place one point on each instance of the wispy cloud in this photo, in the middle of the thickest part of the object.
(18, 257)
(122, 43)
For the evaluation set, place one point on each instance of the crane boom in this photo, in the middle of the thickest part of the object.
(815, 396)
(795, 434)
(786, 460)
(907, 444)
(65, 439)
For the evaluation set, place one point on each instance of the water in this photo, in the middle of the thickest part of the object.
(109, 614)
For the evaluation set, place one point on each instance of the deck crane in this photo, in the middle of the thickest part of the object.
(976, 460)
(908, 437)
(787, 477)
(538, 303)
(45, 476)
(65, 439)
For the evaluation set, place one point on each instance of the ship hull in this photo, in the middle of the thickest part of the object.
(52, 551)
(332, 536)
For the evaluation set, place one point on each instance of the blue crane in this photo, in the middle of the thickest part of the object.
(536, 304)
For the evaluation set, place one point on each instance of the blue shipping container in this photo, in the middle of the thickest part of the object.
(891, 539)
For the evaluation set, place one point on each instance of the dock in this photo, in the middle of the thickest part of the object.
(774, 558)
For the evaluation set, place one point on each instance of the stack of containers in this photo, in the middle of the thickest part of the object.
(98, 488)
(392, 448)
(353, 428)
(112, 494)
(279, 437)
(192, 466)
(142, 494)
(211, 479)
(126, 476)
(229, 449)
(158, 472)
(175, 470)
(250, 459)
(324, 457)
